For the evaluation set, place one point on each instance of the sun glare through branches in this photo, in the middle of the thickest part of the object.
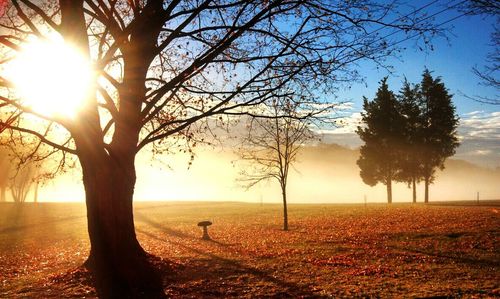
(50, 77)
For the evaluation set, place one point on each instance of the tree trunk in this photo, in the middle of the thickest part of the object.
(2, 193)
(389, 191)
(116, 257)
(285, 210)
(35, 194)
(414, 190)
(118, 262)
(426, 190)
(14, 194)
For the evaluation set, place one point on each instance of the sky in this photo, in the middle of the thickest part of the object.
(467, 45)
(452, 59)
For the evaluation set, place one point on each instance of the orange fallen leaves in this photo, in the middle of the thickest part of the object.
(339, 251)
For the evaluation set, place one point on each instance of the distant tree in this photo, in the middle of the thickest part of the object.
(4, 173)
(4, 164)
(21, 169)
(271, 145)
(20, 173)
(36, 186)
(382, 134)
(411, 170)
(439, 129)
(22, 182)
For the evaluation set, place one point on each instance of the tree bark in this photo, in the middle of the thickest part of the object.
(285, 210)
(116, 257)
(389, 191)
(426, 200)
(117, 260)
(414, 190)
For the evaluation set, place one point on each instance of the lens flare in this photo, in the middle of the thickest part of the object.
(50, 77)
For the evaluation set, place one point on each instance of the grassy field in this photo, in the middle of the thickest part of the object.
(401, 250)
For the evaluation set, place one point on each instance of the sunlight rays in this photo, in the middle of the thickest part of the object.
(50, 77)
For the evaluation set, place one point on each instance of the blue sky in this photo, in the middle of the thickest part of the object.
(467, 45)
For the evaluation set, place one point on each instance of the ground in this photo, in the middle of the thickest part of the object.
(377, 250)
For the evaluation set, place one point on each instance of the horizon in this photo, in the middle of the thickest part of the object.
(176, 180)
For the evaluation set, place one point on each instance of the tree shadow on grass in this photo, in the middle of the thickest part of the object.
(171, 232)
(18, 218)
(211, 275)
(167, 230)
(468, 203)
(475, 262)
(204, 275)
(16, 228)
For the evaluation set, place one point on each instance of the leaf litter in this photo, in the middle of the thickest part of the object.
(330, 251)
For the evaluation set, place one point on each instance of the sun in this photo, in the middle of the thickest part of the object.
(50, 77)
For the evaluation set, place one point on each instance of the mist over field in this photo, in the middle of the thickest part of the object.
(326, 173)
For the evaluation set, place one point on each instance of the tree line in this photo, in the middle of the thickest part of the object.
(407, 136)
(19, 177)
(19, 173)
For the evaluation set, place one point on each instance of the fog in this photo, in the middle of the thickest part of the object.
(328, 173)
(323, 174)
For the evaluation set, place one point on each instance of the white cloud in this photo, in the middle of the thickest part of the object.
(480, 124)
(345, 125)
(474, 113)
(345, 106)
(479, 135)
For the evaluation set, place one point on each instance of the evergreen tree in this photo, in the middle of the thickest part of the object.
(382, 134)
(439, 127)
(411, 170)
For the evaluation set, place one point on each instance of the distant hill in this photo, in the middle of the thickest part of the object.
(342, 155)
(333, 167)
(331, 152)
(462, 167)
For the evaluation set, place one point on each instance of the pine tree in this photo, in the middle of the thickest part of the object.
(411, 170)
(439, 129)
(382, 133)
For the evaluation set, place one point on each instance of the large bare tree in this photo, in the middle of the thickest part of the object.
(166, 70)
